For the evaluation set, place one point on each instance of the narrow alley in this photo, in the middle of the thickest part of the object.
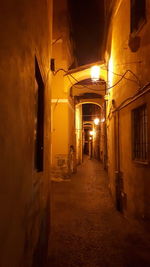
(86, 229)
(75, 133)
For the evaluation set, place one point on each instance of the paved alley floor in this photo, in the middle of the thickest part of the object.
(86, 230)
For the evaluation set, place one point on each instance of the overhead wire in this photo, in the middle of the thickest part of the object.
(59, 38)
(121, 79)
(56, 104)
(108, 88)
(128, 79)
(137, 81)
(68, 74)
(127, 100)
(87, 87)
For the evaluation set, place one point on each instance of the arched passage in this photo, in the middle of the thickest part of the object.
(84, 92)
(81, 74)
(96, 102)
(70, 92)
(88, 143)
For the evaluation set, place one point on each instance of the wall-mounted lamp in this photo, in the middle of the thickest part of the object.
(107, 97)
(96, 121)
(95, 73)
(91, 133)
(103, 120)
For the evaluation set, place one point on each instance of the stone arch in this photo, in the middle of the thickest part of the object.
(71, 78)
(90, 102)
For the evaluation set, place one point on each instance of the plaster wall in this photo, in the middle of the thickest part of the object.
(72, 137)
(96, 142)
(60, 137)
(135, 176)
(25, 28)
(79, 130)
(63, 135)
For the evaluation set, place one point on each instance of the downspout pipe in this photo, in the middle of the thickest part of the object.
(118, 175)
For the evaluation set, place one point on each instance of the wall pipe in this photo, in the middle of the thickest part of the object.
(118, 180)
(132, 100)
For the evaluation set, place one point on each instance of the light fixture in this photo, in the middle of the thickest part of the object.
(91, 132)
(103, 120)
(95, 73)
(107, 97)
(96, 121)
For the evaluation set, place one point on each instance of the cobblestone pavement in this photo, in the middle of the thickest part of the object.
(87, 230)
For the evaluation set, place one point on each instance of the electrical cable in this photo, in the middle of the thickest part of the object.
(128, 63)
(61, 69)
(122, 77)
(56, 104)
(108, 88)
(74, 85)
(89, 88)
(126, 100)
(128, 79)
(59, 38)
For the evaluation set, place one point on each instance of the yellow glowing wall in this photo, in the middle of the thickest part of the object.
(120, 58)
(78, 133)
(62, 109)
(24, 199)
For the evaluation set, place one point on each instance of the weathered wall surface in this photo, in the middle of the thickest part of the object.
(62, 108)
(60, 115)
(134, 176)
(25, 33)
(60, 137)
(79, 134)
(71, 133)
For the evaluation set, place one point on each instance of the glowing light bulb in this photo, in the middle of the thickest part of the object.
(95, 73)
(91, 132)
(103, 120)
(96, 121)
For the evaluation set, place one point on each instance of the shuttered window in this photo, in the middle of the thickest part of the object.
(138, 14)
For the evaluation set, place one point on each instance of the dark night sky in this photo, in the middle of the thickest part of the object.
(87, 18)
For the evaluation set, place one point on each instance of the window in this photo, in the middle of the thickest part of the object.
(138, 14)
(39, 118)
(140, 145)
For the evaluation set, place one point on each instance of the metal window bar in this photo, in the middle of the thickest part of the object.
(140, 145)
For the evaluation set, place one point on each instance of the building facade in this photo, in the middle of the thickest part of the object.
(128, 104)
(63, 123)
(25, 78)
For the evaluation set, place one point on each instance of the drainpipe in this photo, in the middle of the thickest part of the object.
(105, 134)
(118, 173)
(116, 135)
(105, 138)
(116, 154)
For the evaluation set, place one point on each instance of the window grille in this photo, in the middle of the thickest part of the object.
(140, 142)
(138, 14)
